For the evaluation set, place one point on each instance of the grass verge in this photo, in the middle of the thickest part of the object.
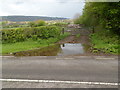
(106, 42)
(29, 44)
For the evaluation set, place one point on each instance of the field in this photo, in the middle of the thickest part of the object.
(37, 35)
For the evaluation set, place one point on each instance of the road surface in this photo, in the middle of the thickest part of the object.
(84, 71)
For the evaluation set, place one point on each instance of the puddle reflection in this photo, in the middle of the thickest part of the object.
(55, 50)
(71, 49)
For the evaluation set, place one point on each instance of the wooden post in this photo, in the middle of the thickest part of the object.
(63, 30)
(63, 45)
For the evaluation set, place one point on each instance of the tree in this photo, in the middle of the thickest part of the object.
(31, 24)
(104, 14)
(37, 23)
(40, 23)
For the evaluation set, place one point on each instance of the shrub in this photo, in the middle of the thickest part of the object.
(34, 37)
(37, 23)
(78, 35)
(21, 34)
(108, 43)
(40, 23)
(31, 24)
(60, 24)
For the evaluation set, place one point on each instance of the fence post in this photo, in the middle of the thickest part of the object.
(63, 30)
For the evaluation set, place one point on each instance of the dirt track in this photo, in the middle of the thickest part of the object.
(84, 39)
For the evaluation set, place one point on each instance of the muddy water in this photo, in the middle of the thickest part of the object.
(54, 50)
(47, 51)
(71, 49)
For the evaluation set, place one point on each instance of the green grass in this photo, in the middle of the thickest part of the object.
(21, 46)
(106, 42)
(29, 44)
(78, 35)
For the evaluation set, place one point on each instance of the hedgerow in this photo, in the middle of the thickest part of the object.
(22, 34)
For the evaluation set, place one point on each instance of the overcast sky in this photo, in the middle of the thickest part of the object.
(56, 8)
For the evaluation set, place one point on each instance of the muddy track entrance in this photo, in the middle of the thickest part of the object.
(71, 45)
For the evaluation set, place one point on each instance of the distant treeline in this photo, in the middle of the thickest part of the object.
(29, 18)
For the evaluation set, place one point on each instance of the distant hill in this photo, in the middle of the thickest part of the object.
(29, 18)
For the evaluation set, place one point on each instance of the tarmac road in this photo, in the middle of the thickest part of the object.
(78, 69)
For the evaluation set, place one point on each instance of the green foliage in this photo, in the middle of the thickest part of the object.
(20, 46)
(37, 23)
(40, 23)
(60, 24)
(30, 44)
(103, 18)
(62, 36)
(104, 14)
(34, 37)
(77, 21)
(53, 40)
(47, 41)
(31, 24)
(108, 43)
(22, 34)
(13, 35)
(50, 31)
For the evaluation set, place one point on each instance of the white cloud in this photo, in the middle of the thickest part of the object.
(67, 8)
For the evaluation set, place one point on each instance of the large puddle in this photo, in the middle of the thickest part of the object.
(55, 50)
(71, 49)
